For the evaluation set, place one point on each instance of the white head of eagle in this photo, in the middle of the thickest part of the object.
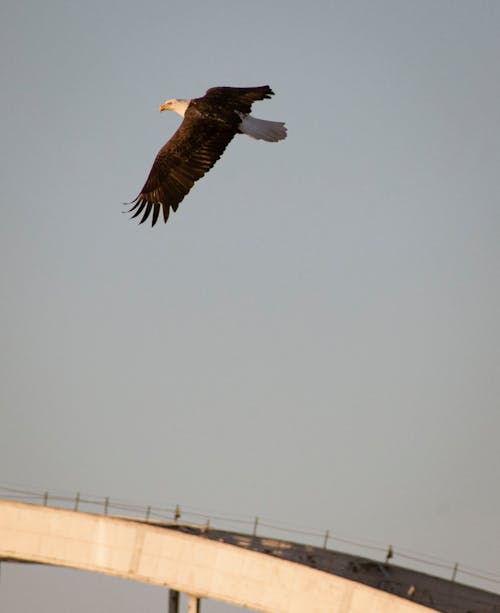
(209, 125)
(179, 106)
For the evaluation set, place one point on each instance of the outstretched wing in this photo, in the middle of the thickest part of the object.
(238, 98)
(185, 158)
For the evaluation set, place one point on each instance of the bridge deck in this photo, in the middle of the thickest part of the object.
(224, 566)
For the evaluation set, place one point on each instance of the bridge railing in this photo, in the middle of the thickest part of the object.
(256, 526)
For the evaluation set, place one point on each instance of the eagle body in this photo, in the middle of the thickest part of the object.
(209, 125)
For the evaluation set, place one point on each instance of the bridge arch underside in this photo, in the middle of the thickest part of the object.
(183, 562)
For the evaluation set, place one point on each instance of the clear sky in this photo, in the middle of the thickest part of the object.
(314, 335)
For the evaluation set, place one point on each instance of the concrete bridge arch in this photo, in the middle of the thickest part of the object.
(183, 562)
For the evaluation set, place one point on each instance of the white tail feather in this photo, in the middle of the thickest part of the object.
(261, 129)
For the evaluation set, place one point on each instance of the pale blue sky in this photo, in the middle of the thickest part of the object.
(314, 335)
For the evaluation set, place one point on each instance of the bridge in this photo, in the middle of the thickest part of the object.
(259, 573)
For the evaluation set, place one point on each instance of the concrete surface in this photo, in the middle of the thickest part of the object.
(185, 562)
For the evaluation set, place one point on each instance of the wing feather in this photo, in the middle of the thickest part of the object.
(156, 212)
(185, 158)
(238, 98)
(140, 206)
(146, 212)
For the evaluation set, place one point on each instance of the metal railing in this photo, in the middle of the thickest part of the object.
(255, 526)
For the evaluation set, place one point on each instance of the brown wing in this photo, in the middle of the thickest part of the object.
(238, 98)
(187, 156)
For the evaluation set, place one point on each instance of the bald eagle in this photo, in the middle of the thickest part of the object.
(210, 123)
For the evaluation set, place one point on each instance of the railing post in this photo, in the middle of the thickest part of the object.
(106, 505)
(455, 570)
(177, 513)
(327, 536)
(255, 524)
(45, 498)
(148, 512)
(390, 554)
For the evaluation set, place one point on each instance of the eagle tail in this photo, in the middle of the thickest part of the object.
(261, 129)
